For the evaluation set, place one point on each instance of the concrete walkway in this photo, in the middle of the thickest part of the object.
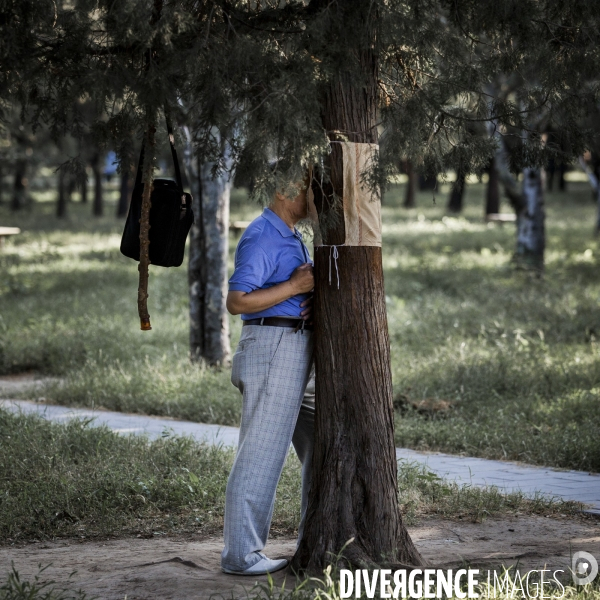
(506, 476)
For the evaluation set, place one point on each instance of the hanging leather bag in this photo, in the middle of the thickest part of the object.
(171, 216)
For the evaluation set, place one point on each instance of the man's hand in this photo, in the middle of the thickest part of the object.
(301, 282)
(302, 279)
(306, 314)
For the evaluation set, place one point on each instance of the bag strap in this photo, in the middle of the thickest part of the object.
(138, 178)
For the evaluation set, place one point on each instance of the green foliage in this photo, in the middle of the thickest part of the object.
(259, 73)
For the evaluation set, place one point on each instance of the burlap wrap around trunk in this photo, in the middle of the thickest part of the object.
(362, 207)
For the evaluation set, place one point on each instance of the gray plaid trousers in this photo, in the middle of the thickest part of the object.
(271, 368)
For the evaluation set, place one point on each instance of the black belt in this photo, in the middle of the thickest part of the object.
(298, 324)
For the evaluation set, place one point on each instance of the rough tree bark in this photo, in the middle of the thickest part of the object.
(207, 272)
(354, 476)
(411, 184)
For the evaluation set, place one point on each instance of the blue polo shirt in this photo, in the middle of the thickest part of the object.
(268, 254)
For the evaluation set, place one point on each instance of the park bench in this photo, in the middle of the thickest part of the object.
(501, 218)
(237, 227)
(6, 232)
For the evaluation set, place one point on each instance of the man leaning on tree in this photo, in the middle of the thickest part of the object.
(271, 288)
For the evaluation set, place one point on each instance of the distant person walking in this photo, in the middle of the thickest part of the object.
(271, 288)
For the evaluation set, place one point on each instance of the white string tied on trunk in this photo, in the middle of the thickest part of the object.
(333, 253)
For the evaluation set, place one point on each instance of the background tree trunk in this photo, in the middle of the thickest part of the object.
(207, 273)
(84, 191)
(354, 490)
(124, 193)
(98, 205)
(597, 228)
(492, 196)
(455, 202)
(19, 197)
(531, 238)
(411, 184)
(594, 179)
(61, 204)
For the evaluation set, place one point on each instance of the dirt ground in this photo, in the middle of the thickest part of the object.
(188, 569)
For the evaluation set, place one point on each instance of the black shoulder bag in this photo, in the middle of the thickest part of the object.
(170, 216)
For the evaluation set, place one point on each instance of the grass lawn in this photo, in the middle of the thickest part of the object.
(73, 480)
(516, 356)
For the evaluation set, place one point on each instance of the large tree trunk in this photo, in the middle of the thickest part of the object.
(354, 491)
(207, 274)
(411, 184)
(455, 202)
(492, 197)
(98, 205)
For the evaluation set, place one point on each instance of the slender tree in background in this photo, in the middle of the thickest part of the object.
(19, 195)
(457, 192)
(531, 234)
(528, 203)
(411, 184)
(98, 203)
(83, 190)
(62, 199)
(125, 188)
(492, 190)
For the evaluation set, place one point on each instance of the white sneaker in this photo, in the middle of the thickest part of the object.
(262, 567)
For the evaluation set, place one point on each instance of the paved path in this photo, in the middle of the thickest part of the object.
(507, 476)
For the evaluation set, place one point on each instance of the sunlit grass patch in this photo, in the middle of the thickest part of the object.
(162, 385)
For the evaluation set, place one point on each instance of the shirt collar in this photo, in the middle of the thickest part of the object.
(278, 223)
